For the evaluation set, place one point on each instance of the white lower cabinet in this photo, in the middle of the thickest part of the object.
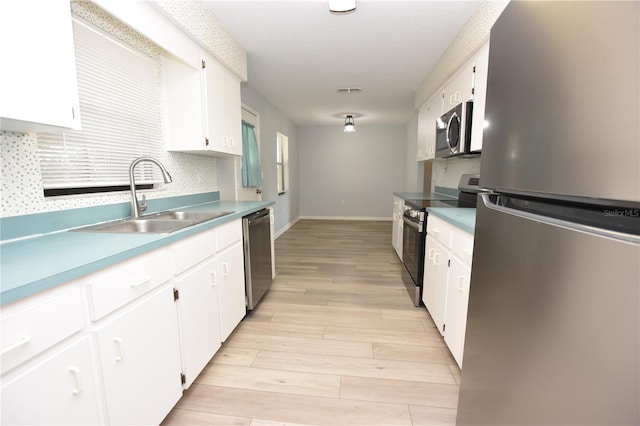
(232, 289)
(119, 346)
(57, 390)
(447, 275)
(198, 318)
(456, 307)
(140, 361)
(397, 229)
(434, 294)
(47, 369)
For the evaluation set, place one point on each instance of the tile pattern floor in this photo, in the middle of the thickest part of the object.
(336, 341)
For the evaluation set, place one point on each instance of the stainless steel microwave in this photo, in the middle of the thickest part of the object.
(453, 131)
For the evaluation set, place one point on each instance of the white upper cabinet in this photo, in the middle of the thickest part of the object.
(185, 106)
(459, 88)
(38, 84)
(427, 116)
(481, 66)
(224, 108)
(468, 83)
(203, 107)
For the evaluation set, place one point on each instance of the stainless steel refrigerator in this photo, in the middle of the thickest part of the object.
(553, 325)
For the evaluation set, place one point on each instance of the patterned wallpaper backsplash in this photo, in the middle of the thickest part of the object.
(21, 189)
(21, 184)
(446, 172)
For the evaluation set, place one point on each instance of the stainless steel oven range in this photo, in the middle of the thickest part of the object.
(415, 231)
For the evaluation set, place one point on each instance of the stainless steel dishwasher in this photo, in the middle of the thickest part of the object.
(256, 233)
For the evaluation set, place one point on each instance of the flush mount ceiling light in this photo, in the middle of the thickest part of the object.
(349, 124)
(342, 6)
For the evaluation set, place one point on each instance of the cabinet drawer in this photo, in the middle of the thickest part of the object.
(37, 326)
(462, 245)
(193, 250)
(228, 234)
(439, 230)
(120, 284)
(58, 390)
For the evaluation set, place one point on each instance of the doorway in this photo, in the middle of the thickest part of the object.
(249, 194)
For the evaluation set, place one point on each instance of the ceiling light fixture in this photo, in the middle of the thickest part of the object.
(349, 90)
(349, 124)
(342, 6)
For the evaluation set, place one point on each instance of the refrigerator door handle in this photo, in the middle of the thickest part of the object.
(619, 236)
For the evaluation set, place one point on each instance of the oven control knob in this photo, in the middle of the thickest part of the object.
(413, 213)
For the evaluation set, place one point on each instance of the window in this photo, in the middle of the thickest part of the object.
(282, 162)
(120, 111)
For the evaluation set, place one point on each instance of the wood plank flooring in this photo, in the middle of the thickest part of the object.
(336, 341)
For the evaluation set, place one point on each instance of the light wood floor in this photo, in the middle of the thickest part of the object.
(336, 341)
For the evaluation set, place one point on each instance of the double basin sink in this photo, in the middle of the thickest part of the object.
(158, 223)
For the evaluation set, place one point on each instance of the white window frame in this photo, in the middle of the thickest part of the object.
(282, 162)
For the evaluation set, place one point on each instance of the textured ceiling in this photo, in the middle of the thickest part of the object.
(299, 53)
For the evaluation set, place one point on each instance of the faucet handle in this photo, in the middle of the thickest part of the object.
(143, 203)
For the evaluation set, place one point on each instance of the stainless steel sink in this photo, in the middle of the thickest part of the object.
(198, 216)
(159, 223)
(142, 225)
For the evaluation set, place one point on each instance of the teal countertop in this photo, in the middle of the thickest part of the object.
(463, 218)
(423, 196)
(441, 192)
(33, 264)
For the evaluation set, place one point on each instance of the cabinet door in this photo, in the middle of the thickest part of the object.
(394, 227)
(38, 78)
(140, 359)
(184, 88)
(435, 281)
(216, 120)
(423, 123)
(460, 87)
(224, 115)
(434, 111)
(481, 63)
(198, 318)
(233, 108)
(456, 308)
(394, 231)
(231, 289)
(59, 390)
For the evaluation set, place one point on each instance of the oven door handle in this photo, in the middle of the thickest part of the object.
(416, 225)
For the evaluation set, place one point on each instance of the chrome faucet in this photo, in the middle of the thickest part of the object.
(140, 206)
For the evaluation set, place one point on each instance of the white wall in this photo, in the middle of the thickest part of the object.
(350, 175)
(273, 120)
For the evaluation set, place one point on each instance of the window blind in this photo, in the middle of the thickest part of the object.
(120, 114)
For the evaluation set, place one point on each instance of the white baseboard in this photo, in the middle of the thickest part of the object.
(286, 228)
(346, 218)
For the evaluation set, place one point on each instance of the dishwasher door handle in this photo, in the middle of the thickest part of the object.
(259, 220)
